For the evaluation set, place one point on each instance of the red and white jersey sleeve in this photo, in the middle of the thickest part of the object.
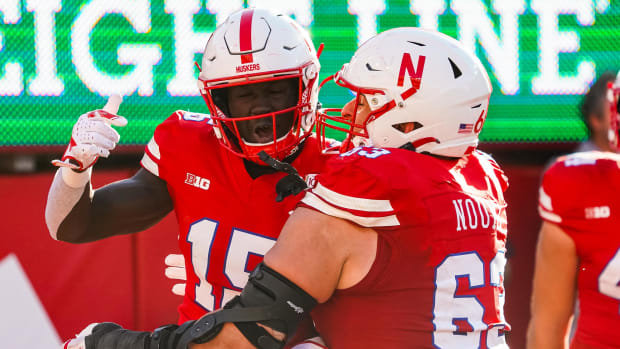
(580, 193)
(172, 135)
(437, 277)
(361, 199)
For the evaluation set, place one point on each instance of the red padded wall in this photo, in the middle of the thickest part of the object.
(77, 284)
(154, 303)
(523, 225)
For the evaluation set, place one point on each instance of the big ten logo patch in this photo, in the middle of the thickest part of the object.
(598, 212)
(197, 181)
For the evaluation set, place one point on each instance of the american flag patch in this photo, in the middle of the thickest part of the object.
(465, 128)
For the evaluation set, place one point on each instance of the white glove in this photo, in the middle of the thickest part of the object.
(93, 136)
(78, 342)
(175, 270)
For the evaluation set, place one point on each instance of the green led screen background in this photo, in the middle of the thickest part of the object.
(59, 59)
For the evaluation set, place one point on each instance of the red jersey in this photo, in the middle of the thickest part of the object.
(437, 278)
(227, 220)
(581, 194)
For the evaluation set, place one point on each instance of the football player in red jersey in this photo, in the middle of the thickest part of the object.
(259, 79)
(401, 244)
(596, 115)
(578, 249)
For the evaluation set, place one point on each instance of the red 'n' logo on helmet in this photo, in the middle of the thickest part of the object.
(406, 65)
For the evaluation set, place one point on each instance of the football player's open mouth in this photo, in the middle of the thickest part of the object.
(263, 132)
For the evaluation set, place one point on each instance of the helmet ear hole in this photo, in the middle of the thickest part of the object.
(407, 127)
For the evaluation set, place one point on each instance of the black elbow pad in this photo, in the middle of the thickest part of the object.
(286, 303)
(270, 299)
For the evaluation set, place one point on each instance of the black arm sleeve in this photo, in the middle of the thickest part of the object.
(127, 206)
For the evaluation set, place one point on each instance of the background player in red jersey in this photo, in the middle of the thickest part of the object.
(401, 243)
(579, 248)
(258, 79)
(597, 116)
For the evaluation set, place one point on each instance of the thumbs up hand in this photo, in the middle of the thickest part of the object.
(93, 136)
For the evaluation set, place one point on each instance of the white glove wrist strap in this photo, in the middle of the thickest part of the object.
(75, 179)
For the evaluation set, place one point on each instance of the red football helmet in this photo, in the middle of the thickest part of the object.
(613, 96)
(256, 46)
(416, 77)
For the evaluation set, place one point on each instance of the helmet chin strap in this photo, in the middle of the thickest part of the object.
(354, 142)
(358, 141)
(612, 136)
(291, 184)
